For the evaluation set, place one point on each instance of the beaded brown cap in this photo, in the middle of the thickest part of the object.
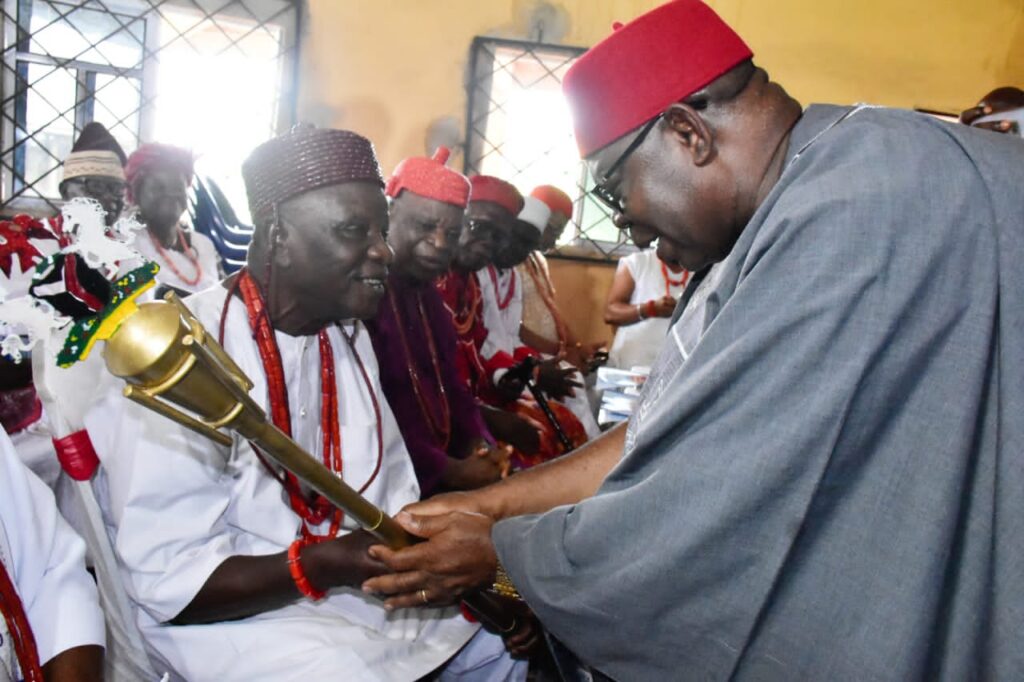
(305, 159)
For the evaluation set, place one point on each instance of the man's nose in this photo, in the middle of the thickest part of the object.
(380, 250)
(439, 238)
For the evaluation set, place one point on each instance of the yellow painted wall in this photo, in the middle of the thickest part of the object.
(581, 289)
(388, 68)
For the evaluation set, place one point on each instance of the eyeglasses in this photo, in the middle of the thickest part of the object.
(607, 197)
(483, 229)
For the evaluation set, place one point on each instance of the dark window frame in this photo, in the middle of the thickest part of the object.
(589, 216)
(18, 52)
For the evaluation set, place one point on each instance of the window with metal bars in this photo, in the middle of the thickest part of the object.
(518, 128)
(214, 76)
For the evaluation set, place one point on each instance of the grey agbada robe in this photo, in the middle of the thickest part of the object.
(825, 479)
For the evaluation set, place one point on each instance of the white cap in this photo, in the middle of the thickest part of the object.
(535, 212)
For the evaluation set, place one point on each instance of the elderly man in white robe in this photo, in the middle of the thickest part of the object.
(236, 571)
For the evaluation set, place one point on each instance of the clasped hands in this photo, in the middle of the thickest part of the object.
(457, 558)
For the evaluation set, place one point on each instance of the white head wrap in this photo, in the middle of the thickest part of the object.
(535, 212)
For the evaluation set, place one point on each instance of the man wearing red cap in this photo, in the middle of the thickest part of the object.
(236, 570)
(159, 176)
(495, 210)
(822, 478)
(495, 204)
(460, 291)
(501, 291)
(414, 337)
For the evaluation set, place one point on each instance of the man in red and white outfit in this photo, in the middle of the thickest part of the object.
(502, 293)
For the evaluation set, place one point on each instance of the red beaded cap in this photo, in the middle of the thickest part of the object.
(430, 178)
(496, 190)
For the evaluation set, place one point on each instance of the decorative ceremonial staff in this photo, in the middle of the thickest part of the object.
(168, 359)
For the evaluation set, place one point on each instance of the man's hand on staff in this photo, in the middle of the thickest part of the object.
(457, 558)
(555, 380)
(459, 555)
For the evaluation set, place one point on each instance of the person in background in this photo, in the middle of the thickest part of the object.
(641, 300)
(51, 625)
(414, 338)
(158, 177)
(485, 359)
(1001, 110)
(93, 170)
(544, 326)
(460, 291)
(506, 344)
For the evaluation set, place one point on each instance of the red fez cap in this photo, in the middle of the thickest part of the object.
(640, 69)
(430, 178)
(151, 156)
(557, 200)
(304, 159)
(496, 190)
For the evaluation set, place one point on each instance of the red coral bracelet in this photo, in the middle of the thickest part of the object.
(298, 575)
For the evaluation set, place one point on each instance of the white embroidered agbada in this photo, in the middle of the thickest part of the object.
(46, 563)
(178, 505)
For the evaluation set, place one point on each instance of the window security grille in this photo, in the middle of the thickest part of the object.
(518, 127)
(216, 76)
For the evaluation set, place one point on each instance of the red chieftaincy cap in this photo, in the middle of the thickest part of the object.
(496, 190)
(430, 178)
(151, 156)
(644, 66)
(557, 200)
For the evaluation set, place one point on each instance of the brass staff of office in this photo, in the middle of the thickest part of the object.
(167, 359)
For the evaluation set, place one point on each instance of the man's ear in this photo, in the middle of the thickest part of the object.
(63, 189)
(691, 131)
